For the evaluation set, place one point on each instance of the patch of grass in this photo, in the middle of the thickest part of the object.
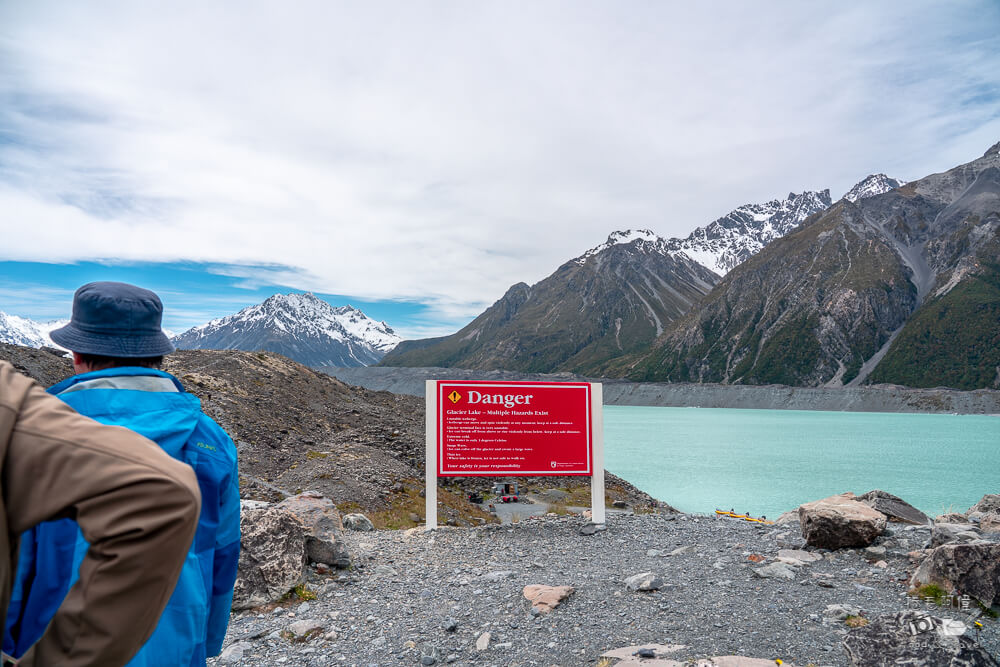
(311, 455)
(604, 662)
(559, 509)
(932, 593)
(300, 592)
(856, 621)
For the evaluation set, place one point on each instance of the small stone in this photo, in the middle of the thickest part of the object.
(592, 528)
(483, 642)
(304, 630)
(546, 598)
(775, 571)
(680, 551)
(358, 522)
(450, 624)
(234, 653)
(645, 581)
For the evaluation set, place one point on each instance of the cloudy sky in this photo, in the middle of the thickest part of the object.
(417, 158)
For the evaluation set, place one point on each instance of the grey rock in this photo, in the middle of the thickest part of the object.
(972, 569)
(499, 575)
(775, 571)
(875, 552)
(272, 557)
(358, 522)
(324, 530)
(645, 581)
(384, 572)
(680, 551)
(946, 533)
(233, 653)
(893, 507)
(915, 639)
(799, 555)
(303, 630)
(951, 517)
(988, 503)
(840, 521)
(840, 612)
(592, 528)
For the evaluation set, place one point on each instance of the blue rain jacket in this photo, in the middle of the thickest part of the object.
(194, 622)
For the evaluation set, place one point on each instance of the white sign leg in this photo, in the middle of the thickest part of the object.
(430, 462)
(597, 480)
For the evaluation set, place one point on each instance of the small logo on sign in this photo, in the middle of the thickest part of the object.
(552, 463)
(454, 397)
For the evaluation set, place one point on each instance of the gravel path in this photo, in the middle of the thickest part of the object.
(427, 598)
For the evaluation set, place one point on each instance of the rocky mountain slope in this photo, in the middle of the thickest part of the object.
(612, 300)
(23, 331)
(904, 284)
(302, 327)
(296, 429)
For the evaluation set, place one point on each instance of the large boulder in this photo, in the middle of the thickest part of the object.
(840, 521)
(272, 556)
(358, 522)
(914, 639)
(990, 522)
(894, 507)
(324, 529)
(947, 533)
(988, 503)
(972, 569)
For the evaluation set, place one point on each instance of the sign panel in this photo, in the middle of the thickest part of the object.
(514, 428)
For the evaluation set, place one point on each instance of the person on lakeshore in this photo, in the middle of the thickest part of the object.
(137, 506)
(117, 347)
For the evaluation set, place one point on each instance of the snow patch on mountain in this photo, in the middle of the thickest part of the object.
(23, 331)
(643, 240)
(871, 186)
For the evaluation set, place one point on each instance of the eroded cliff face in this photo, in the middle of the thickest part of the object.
(825, 304)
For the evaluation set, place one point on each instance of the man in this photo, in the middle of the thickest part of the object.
(117, 346)
(136, 506)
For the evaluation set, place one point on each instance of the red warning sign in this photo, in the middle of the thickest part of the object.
(514, 428)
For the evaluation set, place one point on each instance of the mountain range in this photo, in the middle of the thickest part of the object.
(302, 327)
(899, 287)
(615, 300)
(23, 331)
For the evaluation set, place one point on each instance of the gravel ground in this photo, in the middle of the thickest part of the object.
(426, 598)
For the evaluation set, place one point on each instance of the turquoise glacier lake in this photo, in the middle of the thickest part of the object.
(771, 461)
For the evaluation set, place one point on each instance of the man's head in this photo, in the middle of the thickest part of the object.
(114, 324)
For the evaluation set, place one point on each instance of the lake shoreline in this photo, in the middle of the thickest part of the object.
(875, 398)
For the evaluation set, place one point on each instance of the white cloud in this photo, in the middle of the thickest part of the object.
(440, 152)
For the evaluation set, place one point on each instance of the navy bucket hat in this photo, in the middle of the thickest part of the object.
(115, 320)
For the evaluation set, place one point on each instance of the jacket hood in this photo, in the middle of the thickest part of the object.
(148, 401)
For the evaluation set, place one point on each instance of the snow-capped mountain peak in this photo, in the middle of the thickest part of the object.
(875, 184)
(733, 238)
(23, 331)
(300, 326)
